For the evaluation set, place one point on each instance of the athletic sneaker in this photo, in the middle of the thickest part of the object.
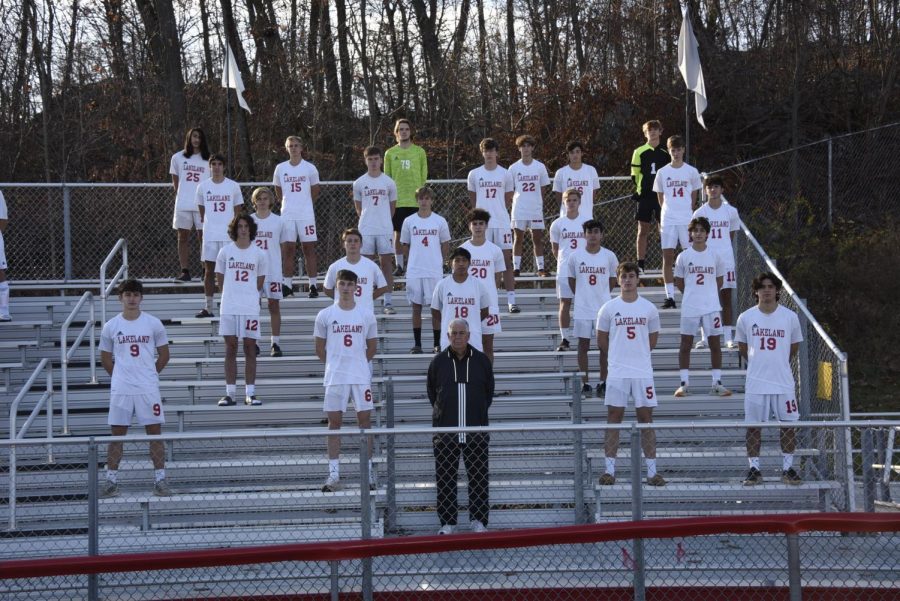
(161, 489)
(718, 390)
(108, 490)
(448, 529)
(789, 476)
(701, 344)
(563, 346)
(332, 484)
(5, 318)
(204, 313)
(252, 400)
(226, 401)
(389, 310)
(753, 477)
(257, 349)
(656, 480)
(514, 308)
(606, 480)
(313, 292)
(436, 349)
(543, 273)
(287, 290)
(731, 345)
(682, 391)
(601, 390)
(478, 526)
(184, 277)
(276, 350)
(587, 391)
(669, 303)
(398, 272)
(416, 350)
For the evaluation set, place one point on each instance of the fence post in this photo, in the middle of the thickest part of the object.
(848, 441)
(67, 231)
(794, 581)
(637, 512)
(868, 471)
(830, 185)
(366, 513)
(93, 517)
(335, 582)
(805, 372)
(577, 441)
(391, 514)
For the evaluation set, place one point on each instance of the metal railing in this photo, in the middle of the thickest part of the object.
(67, 351)
(107, 289)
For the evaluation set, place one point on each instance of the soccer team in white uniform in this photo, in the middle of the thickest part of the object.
(249, 257)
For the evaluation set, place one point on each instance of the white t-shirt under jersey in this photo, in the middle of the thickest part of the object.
(676, 184)
(629, 325)
(368, 278)
(490, 187)
(769, 338)
(722, 221)
(218, 202)
(296, 182)
(585, 180)
(346, 333)
(190, 172)
(699, 271)
(268, 240)
(375, 194)
(424, 235)
(487, 261)
(591, 272)
(240, 268)
(133, 344)
(569, 235)
(525, 182)
(461, 301)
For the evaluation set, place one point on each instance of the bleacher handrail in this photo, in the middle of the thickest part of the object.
(122, 273)
(66, 353)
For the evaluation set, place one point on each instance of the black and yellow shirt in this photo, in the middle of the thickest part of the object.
(645, 162)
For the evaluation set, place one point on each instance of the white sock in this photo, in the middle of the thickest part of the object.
(399, 260)
(540, 262)
(562, 334)
(511, 298)
(4, 298)
(334, 468)
(611, 466)
(651, 467)
(112, 475)
(702, 335)
(670, 291)
(388, 299)
(685, 377)
(288, 280)
(517, 262)
(729, 333)
(754, 462)
(276, 339)
(313, 280)
(159, 474)
(230, 389)
(787, 461)
(251, 389)
(209, 303)
(716, 376)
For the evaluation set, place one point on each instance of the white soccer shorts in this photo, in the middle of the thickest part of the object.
(272, 289)
(527, 224)
(210, 251)
(337, 397)
(292, 229)
(711, 324)
(670, 236)
(146, 407)
(760, 407)
(420, 290)
(491, 323)
(377, 244)
(185, 220)
(242, 326)
(584, 328)
(640, 390)
(563, 290)
(2, 252)
(730, 278)
(499, 236)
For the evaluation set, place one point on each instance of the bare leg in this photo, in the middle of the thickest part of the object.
(754, 441)
(604, 365)
(288, 259)
(310, 260)
(509, 280)
(184, 247)
(518, 242)
(668, 265)
(648, 437)
(565, 304)
(231, 359)
(364, 419)
(209, 279)
(684, 352)
(725, 301)
(788, 440)
(157, 447)
(416, 316)
(114, 449)
(385, 261)
(249, 361)
(715, 350)
(643, 234)
(611, 443)
(537, 239)
(334, 442)
(275, 315)
(584, 344)
(487, 342)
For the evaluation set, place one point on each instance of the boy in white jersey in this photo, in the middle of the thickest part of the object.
(459, 296)
(297, 188)
(375, 201)
(527, 180)
(592, 274)
(566, 236)
(677, 186)
(218, 201)
(188, 168)
(240, 274)
(769, 337)
(578, 175)
(425, 237)
(488, 187)
(724, 224)
(268, 239)
(4, 285)
(627, 329)
(487, 263)
(346, 340)
(370, 282)
(134, 348)
(698, 275)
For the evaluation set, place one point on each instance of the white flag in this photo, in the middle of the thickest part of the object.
(231, 78)
(689, 64)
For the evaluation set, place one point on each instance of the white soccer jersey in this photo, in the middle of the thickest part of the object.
(629, 326)
(591, 272)
(424, 235)
(585, 180)
(490, 187)
(375, 194)
(769, 337)
(699, 271)
(240, 267)
(461, 301)
(133, 344)
(368, 274)
(296, 182)
(569, 235)
(218, 201)
(676, 183)
(268, 240)
(487, 261)
(722, 221)
(190, 172)
(3, 209)
(346, 333)
(525, 182)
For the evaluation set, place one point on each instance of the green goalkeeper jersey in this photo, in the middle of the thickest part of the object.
(408, 167)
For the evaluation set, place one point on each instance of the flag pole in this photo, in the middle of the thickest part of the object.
(228, 108)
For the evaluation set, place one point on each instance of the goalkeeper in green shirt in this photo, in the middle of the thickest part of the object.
(407, 165)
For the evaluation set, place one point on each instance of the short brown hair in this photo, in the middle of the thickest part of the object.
(351, 231)
(525, 139)
(714, 180)
(627, 267)
(652, 124)
(402, 120)
(372, 151)
(675, 142)
(489, 144)
(702, 222)
(570, 191)
(479, 215)
(424, 191)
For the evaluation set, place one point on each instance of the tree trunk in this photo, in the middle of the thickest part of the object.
(390, 9)
(483, 77)
(43, 61)
(511, 76)
(207, 50)
(115, 21)
(312, 50)
(329, 62)
(576, 35)
(343, 34)
(231, 39)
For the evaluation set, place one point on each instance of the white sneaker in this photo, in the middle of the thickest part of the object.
(332, 484)
(682, 391)
(718, 390)
(478, 526)
(448, 529)
(701, 344)
(389, 310)
(731, 345)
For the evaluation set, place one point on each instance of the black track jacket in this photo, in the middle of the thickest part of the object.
(460, 390)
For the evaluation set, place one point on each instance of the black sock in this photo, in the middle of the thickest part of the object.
(437, 337)
(185, 270)
(417, 336)
(641, 263)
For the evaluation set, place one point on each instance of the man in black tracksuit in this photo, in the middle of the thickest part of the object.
(460, 389)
